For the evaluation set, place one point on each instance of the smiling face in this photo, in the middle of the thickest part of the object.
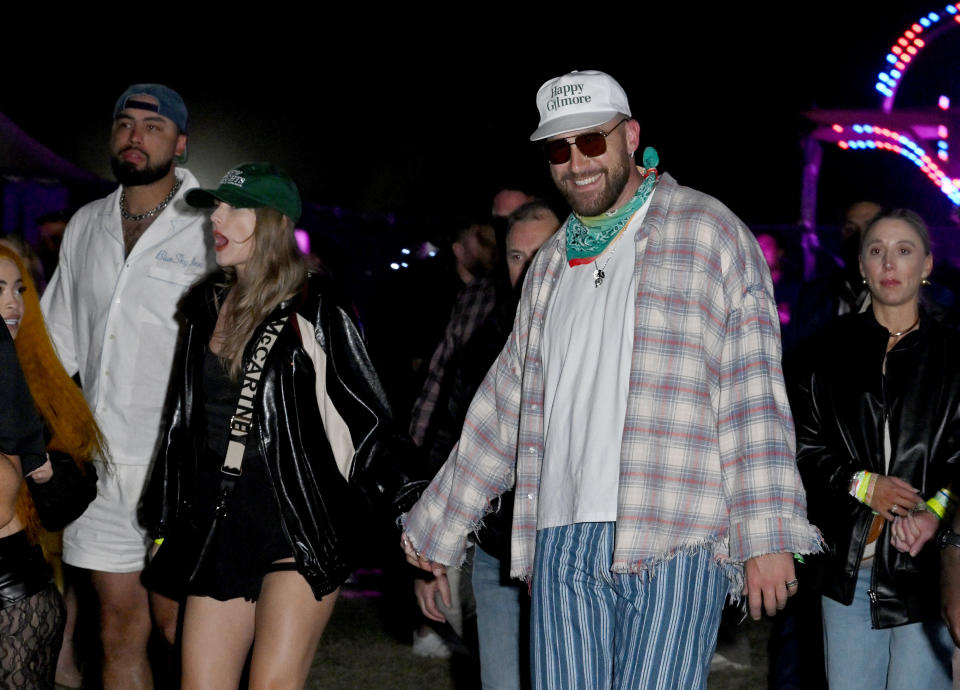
(894, 261)
(233, 230)
(594, 185)
(143, 145)
(11, 295)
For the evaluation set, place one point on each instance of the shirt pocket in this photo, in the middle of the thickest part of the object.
(669, 335)
(671, 301)
(174, 275)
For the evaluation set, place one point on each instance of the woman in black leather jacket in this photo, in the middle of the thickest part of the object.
(878, 429)
(264, 547)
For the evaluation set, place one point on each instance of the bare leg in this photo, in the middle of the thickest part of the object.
(165, 612)
(289, 623)
(216, 638)
(68, 675)
(124, 630)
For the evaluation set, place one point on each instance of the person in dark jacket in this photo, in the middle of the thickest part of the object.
(278, 437)
(878, 430)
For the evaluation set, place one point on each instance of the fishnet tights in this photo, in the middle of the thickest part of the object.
(30, 634)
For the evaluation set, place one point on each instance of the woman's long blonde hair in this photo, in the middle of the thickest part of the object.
(60, 403)
(275, 271)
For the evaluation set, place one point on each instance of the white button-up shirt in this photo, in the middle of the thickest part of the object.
(112, 318)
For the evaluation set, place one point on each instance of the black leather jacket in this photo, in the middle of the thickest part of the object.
(320, 510)
(840, 406)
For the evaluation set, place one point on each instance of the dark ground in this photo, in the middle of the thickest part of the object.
(366, 645)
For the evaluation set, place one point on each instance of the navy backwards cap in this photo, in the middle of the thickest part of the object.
(169, 104)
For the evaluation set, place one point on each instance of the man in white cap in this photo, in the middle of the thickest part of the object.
(125, 262)
(640, 410)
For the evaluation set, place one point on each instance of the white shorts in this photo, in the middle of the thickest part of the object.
(107, 537)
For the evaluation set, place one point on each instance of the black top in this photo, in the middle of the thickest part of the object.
(248, 537)
(21, 429)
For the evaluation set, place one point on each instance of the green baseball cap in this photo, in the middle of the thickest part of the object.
(252, 185)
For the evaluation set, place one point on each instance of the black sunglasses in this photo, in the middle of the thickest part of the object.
(591, 144)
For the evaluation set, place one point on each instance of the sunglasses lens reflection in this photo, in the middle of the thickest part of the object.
(590, 144)
(557, 152)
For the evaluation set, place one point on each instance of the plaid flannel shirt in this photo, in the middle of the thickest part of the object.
(474, 303)
(707, 454)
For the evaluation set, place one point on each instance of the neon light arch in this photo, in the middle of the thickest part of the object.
(887, 129)
(908, 46)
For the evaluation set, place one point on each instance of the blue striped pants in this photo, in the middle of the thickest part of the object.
(591, 628)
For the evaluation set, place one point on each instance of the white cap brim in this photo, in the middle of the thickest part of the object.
(571, 123)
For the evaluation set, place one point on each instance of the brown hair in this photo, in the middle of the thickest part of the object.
(911, 218)
(73, 428)
(275, 271)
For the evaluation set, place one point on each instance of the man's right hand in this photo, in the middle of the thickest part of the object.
(426, 592)
(414, 558)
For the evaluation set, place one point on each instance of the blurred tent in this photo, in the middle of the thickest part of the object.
(36, 181)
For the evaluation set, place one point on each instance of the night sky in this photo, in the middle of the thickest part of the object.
(425, 124)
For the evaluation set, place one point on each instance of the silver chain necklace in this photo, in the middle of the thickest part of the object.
(126, 215)
(598, 274)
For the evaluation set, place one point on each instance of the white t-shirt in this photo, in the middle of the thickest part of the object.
(587, 352)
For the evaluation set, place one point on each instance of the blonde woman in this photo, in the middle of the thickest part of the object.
(878, 447)
(271, 368)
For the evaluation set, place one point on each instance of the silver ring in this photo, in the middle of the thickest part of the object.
(791, 583)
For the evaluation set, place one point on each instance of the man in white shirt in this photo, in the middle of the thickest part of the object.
(125, 262)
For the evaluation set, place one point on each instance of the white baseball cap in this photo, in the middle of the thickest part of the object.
(578, 100)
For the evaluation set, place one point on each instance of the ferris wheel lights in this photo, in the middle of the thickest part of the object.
(901, 54)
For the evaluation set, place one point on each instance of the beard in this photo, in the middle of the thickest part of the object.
(616, 179)
(129, 175)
